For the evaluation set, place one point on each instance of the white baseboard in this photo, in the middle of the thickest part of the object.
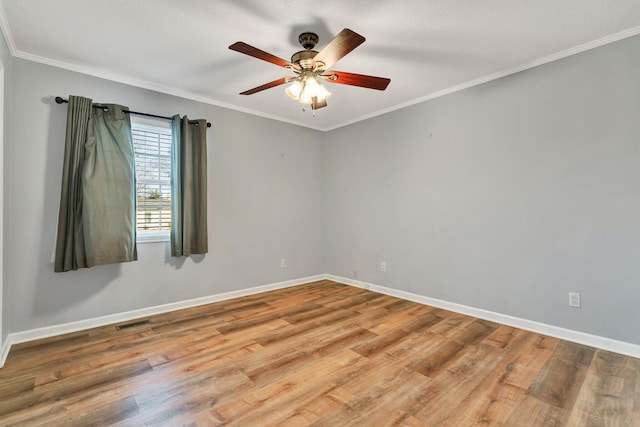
(603, 343)
(608, 344)
(65, 328)
(351, 282)
(4, 351)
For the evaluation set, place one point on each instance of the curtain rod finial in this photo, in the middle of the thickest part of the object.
(60, 100)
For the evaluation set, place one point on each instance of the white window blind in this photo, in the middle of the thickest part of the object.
(152, 148)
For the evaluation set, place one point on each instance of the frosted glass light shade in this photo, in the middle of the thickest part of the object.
(305, 88)
(294, 90)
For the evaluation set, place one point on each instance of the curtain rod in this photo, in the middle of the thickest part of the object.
(61, 100)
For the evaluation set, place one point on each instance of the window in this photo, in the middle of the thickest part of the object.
(152, 149)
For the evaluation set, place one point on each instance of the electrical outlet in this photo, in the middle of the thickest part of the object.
(383, 266)
(574, 299)
(355, 274)
(283, 263)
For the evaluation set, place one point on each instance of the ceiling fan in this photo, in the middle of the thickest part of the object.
(311, 67)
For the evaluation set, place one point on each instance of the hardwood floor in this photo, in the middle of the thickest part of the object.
(321, 354)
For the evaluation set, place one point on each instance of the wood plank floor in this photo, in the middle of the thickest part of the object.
(321, 354)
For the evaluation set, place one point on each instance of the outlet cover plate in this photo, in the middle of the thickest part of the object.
(574, 299)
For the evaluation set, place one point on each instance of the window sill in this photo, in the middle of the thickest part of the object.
(152, 237)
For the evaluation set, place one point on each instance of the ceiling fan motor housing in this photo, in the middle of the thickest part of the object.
(304, 58)
(308, 40)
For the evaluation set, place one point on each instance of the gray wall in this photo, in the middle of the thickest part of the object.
(6, 66)
(504, 197)
(264, 182)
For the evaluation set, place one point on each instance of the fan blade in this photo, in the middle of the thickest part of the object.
(260, 54)
(337, 48)
(266, 86)
(318, 104)
(370, 82)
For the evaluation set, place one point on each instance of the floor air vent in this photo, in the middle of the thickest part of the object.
(132, 324)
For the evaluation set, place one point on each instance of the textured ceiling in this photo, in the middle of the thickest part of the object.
(426, 47)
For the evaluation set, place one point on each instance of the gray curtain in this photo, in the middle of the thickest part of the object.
(96, 223)
(189, 187)
(70, 251)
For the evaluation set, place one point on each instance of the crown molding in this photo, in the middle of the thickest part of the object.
(206, 100)
(500, 74)
(144, 84)
(6, 32)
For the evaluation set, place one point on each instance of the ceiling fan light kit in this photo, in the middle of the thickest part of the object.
(312, 67)
(306, 87)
